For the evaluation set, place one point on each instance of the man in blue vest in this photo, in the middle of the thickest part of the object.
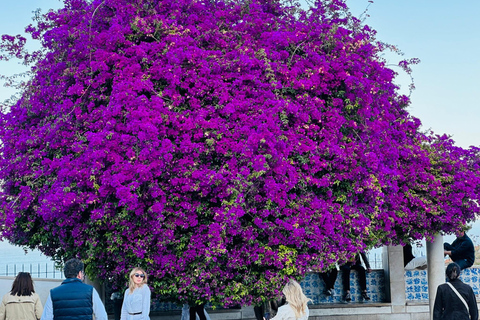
(74, 299)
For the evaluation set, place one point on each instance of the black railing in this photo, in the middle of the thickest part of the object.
(37, 270)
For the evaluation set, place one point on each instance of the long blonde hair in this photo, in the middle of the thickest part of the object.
(132, 285)
(295, 298)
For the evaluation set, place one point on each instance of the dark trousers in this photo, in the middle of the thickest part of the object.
(198, 309)
(117, 308)
(463, 264)
(362, 276)
(259, 312)
(329, 278)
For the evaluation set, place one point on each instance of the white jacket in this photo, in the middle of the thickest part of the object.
(286, 313)
(136, 306)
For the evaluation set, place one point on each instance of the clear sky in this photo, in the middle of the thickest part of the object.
(445, 36)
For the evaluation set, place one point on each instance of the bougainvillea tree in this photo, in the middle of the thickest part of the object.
(223, 145)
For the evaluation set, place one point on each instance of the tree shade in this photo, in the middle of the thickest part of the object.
(223, 145)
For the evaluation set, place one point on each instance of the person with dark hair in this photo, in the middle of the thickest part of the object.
(21, 302)
(356, 264)
(455, 300)
(461, 251)
(74, 299)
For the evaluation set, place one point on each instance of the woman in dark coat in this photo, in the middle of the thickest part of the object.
(448, 306)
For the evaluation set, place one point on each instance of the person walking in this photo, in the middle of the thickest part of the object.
(455, 300)
(74, 299)
(296, 307)
(21, 302)
(136, 301)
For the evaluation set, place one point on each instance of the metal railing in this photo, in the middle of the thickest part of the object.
(37, 270)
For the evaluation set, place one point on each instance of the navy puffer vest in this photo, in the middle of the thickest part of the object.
(72, 300)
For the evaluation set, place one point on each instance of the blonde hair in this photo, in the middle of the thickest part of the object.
(295, 298)
(132, 285)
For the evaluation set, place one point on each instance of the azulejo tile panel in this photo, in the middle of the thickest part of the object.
(416, 282)
(314, 288)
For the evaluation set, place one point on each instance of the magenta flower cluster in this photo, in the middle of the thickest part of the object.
(222, 145)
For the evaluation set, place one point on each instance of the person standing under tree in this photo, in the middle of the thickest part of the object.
(136, 300)
(21, 302)
(74, 299)
(296, 307)
(455, 300)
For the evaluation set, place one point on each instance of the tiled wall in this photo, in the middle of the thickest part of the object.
(416, 283)
(314, 287)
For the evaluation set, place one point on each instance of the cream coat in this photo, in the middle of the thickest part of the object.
(21, 307)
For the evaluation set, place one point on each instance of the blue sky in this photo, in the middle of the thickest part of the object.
(445, 36)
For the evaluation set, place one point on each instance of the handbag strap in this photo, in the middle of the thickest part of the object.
(459, 296)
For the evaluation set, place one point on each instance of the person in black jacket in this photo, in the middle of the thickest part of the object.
(448, 305)
(461, 250)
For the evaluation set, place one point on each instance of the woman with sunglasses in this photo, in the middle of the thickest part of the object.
(136, 301)
(21, 302)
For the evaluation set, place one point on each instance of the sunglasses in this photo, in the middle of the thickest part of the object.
(139, 275)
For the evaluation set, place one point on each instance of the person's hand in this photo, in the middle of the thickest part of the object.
(369, 270)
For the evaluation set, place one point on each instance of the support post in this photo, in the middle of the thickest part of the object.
(98, 286)
(394, 277)
(435, 268)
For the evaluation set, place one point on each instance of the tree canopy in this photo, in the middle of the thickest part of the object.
(222, 145)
